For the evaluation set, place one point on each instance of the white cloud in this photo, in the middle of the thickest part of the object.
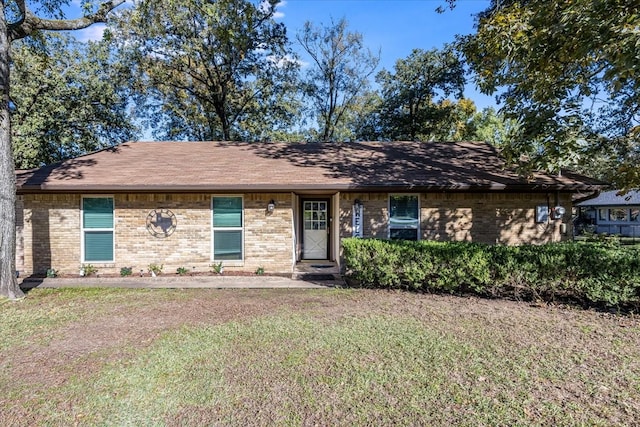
(92, 33)
(278, 14)
(281, 61)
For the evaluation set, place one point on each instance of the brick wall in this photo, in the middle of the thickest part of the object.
(505, 218)
(49, 227)
(50, 234)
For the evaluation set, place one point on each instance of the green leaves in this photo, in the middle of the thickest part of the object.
(415, 99)
(569, 73)
(338, 76)
(206, 70)
(68, 100)
(588, 273)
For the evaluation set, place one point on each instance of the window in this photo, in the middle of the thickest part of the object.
(617, 214)
(97, 229)
(635, 215)
(404, 217)
(603, 214)
(227, 228)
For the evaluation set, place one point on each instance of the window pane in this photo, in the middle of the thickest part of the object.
(403, 212)
(98, 246)
(97, 212)
(617, 214)
(227, 245)
(227, 211)
(404, 234)
(602, 214)
(635, 215)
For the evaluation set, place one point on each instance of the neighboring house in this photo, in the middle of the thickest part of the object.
(610, 213)
(271, 205)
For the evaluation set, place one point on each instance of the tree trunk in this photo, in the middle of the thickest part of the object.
(8, 280)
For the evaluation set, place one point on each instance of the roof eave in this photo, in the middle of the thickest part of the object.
(207, 188)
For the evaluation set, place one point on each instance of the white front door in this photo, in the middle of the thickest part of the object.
(316, 229)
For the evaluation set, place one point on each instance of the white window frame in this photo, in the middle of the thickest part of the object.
(418, 236)
(84, 230)
(230, 262)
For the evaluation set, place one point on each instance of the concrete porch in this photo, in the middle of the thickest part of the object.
(316, 270)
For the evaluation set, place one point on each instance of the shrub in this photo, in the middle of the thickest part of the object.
(126, 271)
(88, 270)
(155, 269)
(217, 268)
(593, 273)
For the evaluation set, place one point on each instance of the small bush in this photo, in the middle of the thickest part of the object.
(182, 271)
(594, 273)
(126, 271)
(217, 268)
(88, 270)
(155, 269)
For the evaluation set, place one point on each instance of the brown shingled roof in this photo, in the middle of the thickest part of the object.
(238, 166)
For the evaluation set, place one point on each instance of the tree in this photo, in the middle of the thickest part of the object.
(205, 68)
(490, 126)
(77, 104)
(568, 72)
(340, 71)
(17, 21)
(416, 102)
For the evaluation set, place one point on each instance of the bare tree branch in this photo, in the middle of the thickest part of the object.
(29, 22)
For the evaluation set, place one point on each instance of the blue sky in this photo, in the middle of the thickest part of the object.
(393, 26)
(396, 27)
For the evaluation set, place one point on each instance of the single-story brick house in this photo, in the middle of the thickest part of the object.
(272, 205)
(612, 213)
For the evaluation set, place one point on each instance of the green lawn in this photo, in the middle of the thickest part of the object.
(302, 357)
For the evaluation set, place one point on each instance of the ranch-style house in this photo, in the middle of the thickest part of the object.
(273, 205)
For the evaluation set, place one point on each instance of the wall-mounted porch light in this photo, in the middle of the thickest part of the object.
(271, 206)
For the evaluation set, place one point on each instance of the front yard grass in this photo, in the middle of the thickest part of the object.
(302, 357)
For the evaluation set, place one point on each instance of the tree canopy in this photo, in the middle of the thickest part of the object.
(206, 68)
(339, 73)
(415, 97)
(569, 73)
(78, 103)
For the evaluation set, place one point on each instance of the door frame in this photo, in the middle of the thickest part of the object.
(311, 198)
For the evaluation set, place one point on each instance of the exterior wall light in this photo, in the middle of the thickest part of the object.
(271, 206)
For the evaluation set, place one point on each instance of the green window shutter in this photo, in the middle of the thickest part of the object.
(227, 245)
(97, 212)
(98, 246)
(227, 211)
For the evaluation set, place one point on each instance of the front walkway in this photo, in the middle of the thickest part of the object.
(183, 282)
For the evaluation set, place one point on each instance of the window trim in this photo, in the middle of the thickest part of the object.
(418, 226)
(231, 262)
(84, 230)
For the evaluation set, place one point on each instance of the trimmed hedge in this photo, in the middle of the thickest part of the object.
(593, 274)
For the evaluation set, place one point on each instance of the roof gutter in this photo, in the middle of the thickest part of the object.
(36, 189)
